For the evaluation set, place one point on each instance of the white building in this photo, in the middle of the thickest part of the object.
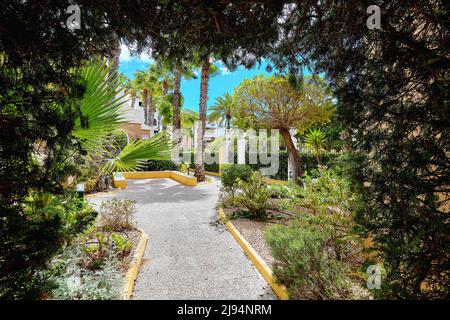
(136, 128)
(134, 120)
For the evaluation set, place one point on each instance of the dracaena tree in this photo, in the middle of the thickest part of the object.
(273, 102)
(315, 139)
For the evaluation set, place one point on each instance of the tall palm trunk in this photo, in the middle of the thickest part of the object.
(133, 99)
(293, 156)
(145, 104)
(114, 58)
(176, 99)
(199, 163)
(228, 122)
(165, 87)
(165, 92)
(150, 112)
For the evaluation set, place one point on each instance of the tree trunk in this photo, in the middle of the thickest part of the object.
(114, 58)
(293, 155)
(133, 99)
(199, 163)
(165, 88)
(176, 100)
(159, 122)
(145, 105)
(150, 113)
(228, 124)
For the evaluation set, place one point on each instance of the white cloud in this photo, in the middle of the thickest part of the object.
(224, 70)
(125, 55)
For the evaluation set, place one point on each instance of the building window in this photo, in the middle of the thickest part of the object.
(155, 122)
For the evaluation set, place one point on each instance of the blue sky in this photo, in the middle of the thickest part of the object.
(224, 81)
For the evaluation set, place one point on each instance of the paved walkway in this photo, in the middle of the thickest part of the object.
(189, 254)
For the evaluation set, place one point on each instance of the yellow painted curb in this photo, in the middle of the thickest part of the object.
(217, 174)
(280, 182)
(122, 184)
(255, 258)
(174, 175)
(135, 264)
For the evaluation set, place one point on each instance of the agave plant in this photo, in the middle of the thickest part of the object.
(315, 139)
(100, 117)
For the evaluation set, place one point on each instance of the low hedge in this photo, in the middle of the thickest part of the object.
(308, 163)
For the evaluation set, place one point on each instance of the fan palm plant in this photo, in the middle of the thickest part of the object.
(136, 153)
(100, 117)
(100, 107)
(315, 139)
(222, 110)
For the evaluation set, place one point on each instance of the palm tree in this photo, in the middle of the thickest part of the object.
(114, 55)
(188, 118)
(99, 120)
(166, 77)
(147, 83)
(315, 139)
(180, 71)
(208, 69)
(222, 110)
(164, 105)
(131, 88)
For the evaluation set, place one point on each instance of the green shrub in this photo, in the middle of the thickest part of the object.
(33, 233)
(254, 195)
(307, 161)
(281, 192)
(117, 214)
(315, 259)
(328, 190)
(231, 173)
(318, 254)
(183, 168)
(122, 245)
(159, 165)
(96, 248)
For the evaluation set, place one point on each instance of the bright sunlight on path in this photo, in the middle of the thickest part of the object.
(189, 254)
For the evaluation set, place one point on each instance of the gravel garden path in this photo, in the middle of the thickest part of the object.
(190, 255)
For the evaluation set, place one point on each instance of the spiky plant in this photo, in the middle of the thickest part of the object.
(315, 139)
(100, 117)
